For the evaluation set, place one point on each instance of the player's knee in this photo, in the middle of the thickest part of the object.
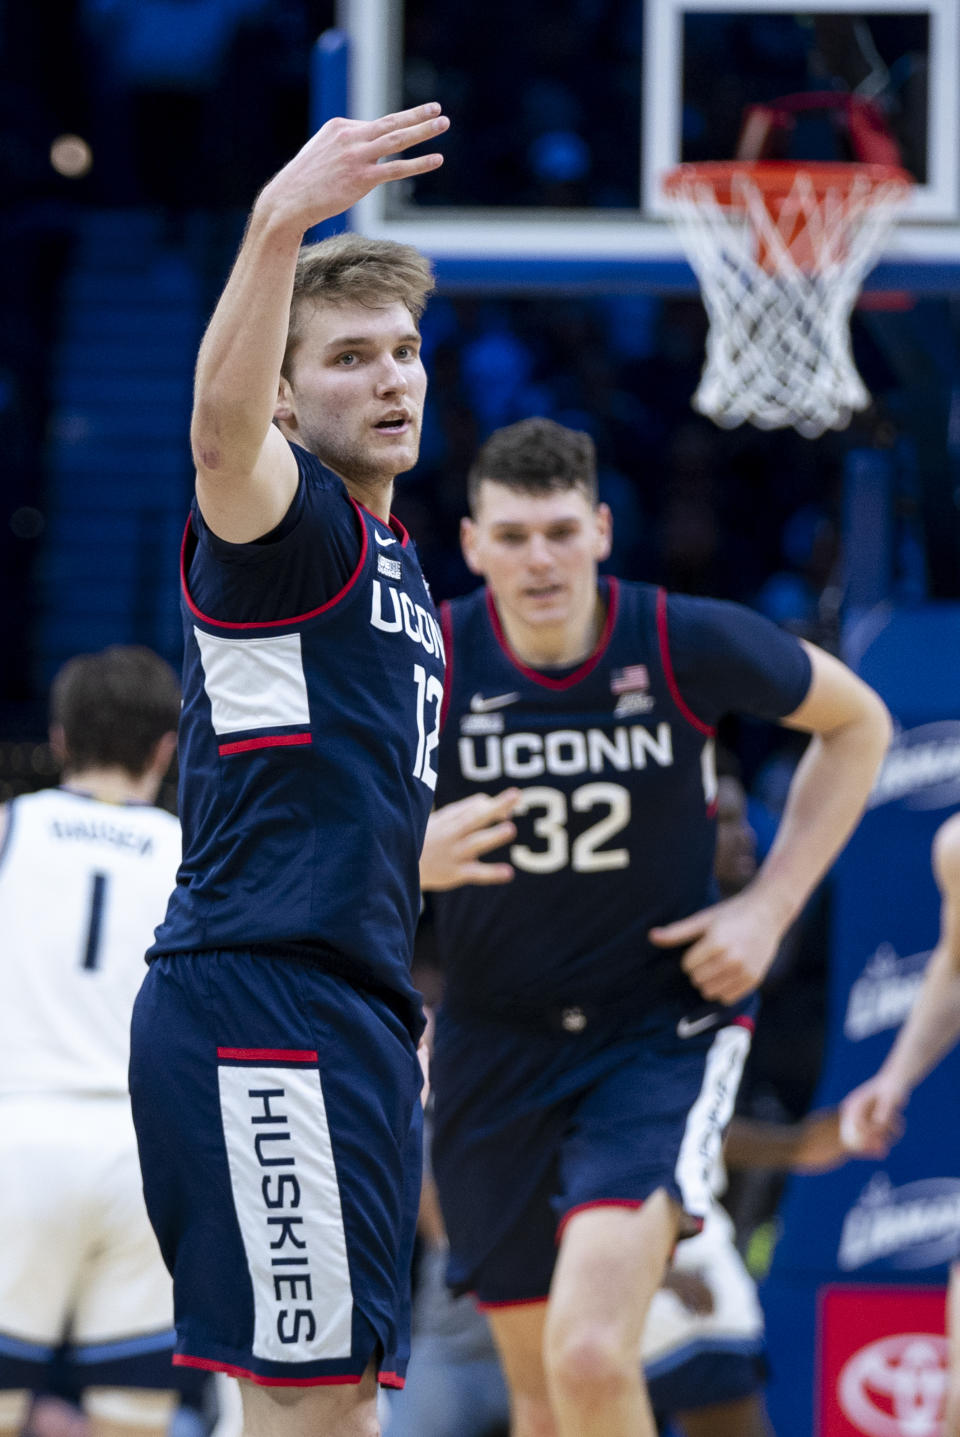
(129, 1406)
(14, 1406)
(589, 1362)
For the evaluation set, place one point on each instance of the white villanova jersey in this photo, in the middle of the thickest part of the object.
(83, 884)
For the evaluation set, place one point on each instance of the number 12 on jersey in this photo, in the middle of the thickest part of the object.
(429, 691)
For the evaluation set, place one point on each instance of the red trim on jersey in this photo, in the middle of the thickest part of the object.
(265, 1055)
(597, 1202)
(587, 667)
(744, 1022)
(713, 808)
(391, 1379)
(665, 660)
(446, 629)
(182, 1359)
(276, 623)
(393, 524)
(273, 740)
(510, 1302)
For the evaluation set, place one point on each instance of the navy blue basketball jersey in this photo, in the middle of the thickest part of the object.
(308, 744)
(615, 827)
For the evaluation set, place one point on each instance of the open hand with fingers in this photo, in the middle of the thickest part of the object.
(346, 159)
(460, 833)
(871, 1117)
(731, 946)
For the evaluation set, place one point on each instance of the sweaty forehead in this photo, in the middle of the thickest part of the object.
(499, 505)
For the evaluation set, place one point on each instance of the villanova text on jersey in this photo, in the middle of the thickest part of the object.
(308, 745)
(615, 830)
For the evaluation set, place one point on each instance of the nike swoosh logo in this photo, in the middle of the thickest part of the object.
(688, 1027)
(384, 543)
(480, 705)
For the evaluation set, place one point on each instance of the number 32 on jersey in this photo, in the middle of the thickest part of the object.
(585, 854)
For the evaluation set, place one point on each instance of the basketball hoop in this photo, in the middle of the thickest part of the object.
(780, 249)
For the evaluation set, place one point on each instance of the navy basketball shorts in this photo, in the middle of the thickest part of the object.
(535, 1124)
(279, 1125)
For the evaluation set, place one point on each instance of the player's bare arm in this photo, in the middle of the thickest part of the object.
(733, 943)
(813, 1145)
(246, 474)
(459, 834)
(872, 1112)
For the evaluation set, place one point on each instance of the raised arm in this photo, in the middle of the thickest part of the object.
(246, 474)
(871, 1114)
(733, 943)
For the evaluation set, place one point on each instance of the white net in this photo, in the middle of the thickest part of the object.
(779, 281)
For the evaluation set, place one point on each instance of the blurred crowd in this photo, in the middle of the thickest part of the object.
(157, 95)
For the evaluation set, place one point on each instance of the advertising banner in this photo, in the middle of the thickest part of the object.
(854, 1300)
(883, 1359)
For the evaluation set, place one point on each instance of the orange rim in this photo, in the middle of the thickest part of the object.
(775, 178)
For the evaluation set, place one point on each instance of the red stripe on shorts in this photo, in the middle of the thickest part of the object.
(598, 1202)
(508, 1302)
(181, 1359)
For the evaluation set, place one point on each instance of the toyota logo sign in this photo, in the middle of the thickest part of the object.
(896, 1386)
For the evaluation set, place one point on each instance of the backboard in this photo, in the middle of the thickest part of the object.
(567, 117)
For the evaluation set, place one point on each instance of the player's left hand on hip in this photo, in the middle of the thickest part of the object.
(730, 949)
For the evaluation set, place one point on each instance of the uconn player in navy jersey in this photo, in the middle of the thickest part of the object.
(598, 1003)
(274, 1071)
(85, 870)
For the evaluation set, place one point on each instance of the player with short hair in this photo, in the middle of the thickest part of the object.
(584, 1069)
(85, 870)
(274, 1070)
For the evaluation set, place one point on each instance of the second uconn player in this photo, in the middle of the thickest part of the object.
(598, 1006)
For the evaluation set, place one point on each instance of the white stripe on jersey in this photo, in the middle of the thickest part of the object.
(287, 1202)
(254, 683)
(83, 884)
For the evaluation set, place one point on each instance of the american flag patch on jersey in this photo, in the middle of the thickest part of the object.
(633, 679)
